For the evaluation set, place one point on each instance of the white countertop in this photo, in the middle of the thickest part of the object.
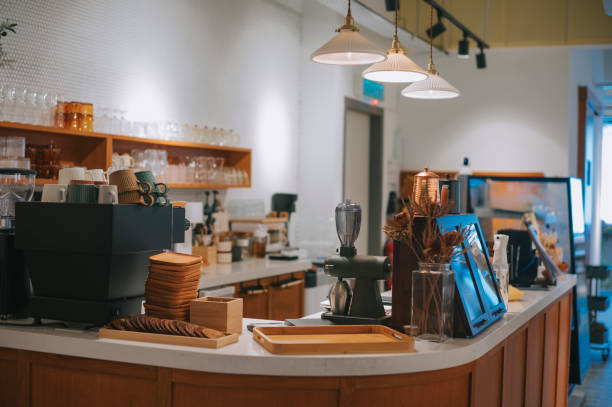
(250, 269)
(248, 357)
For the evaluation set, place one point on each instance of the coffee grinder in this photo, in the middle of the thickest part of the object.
(364, 305)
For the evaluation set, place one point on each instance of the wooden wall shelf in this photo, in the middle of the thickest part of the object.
(95, 150)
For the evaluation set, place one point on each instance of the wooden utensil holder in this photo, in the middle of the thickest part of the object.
(221, 313)
(208, 253)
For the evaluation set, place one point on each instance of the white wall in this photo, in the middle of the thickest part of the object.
(323, 91)
(230, 63)
(511, 116)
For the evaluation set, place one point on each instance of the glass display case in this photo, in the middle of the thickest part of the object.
(557, 206)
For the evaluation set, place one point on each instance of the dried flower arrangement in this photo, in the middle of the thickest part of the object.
(432, 303)
(431, 246)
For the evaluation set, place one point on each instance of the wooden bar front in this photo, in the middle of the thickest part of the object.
(528, 368)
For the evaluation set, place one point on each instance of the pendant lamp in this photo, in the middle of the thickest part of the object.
(434, 87)
(397, 68)
(348, 47)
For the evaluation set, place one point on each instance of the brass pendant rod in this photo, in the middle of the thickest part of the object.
(396, 3)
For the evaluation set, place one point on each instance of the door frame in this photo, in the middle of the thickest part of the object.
(376, 169)
(588, 101)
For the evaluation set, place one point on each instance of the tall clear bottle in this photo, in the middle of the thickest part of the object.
(500, 265)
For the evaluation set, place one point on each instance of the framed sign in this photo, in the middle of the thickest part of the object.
(477, 296)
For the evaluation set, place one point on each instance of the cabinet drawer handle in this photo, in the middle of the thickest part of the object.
(255, 291)
(290, 284)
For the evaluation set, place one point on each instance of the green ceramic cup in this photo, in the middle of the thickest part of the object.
(161, 200)
(148, 177)
(83, 194)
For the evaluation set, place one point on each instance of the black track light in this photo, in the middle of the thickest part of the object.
(437, 29)
(390, 5)
(481, 61)
(463, 51)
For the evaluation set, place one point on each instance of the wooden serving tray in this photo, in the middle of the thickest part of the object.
(175, 259)
(168, 339)
(302, 340)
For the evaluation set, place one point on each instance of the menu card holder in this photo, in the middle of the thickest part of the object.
(478, 302)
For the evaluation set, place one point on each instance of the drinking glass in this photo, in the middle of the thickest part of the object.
(222, 137)
(217, 169)
(152, 160)
(50, 106)
(204, 135)
(10, 98)
(115, 121)
(182, 172)
(153, 130)
(101, 120)
(200, 174)
(31, 108)
(162, 156)
(124, 123)
(235, 139)
(194, 133)
(139, 159)
(3, 102)
(42, 112)
(19, 105)
(172, 177)
(212, 137)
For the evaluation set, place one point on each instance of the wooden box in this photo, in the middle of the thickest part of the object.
(223, 314)
(208, 253)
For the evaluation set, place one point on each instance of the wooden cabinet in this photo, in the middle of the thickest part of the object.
(256, 296)
(276, 298)
(287, 298)
(95, 150)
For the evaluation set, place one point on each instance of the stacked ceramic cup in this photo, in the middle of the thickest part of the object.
(159, 189)
(79, 185)
(172, 284)
(130, 189)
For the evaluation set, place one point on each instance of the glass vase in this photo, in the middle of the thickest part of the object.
(433, 295)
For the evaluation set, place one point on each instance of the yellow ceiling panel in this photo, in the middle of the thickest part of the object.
(408, 14)
(471, 14)
(536, 22)
(513, 23)
(588, 23)
(496, 23)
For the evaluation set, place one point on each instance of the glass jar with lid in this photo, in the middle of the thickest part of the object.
(426, 187)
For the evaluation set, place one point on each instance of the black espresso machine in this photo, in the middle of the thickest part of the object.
(89, 262)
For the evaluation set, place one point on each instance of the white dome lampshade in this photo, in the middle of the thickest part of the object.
(397, 68)
(348, 47)
(434, 87)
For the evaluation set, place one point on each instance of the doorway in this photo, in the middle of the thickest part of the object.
(362, 170)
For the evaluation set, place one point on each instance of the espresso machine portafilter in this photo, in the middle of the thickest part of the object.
(364, 304)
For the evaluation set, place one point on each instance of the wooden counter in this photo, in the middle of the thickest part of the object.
(522, 359)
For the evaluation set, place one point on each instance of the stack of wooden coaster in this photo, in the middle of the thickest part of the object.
(172, 283)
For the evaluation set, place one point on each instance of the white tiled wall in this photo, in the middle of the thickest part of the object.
(225, 63)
